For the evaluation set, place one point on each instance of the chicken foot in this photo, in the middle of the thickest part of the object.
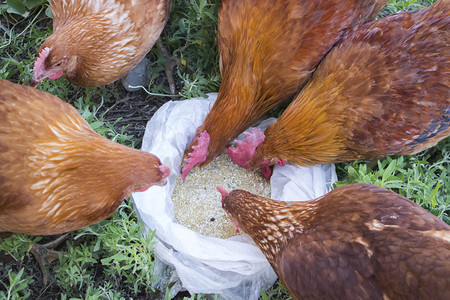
(44, 254)
(168, 65)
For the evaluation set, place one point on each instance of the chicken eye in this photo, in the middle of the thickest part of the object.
(58, 64)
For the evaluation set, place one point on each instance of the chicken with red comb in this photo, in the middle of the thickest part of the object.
(56, 173)
(359, 241)
(383, 90)
(95, 42)
(268, 50)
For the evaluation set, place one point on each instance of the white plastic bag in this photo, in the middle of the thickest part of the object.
(186, 260)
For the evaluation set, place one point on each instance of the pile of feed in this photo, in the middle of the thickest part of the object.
(197, 203)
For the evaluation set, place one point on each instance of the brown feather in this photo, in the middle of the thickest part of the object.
(103, 40)
(56, 173)
(383, 90)
(359, 241)
(268, 49)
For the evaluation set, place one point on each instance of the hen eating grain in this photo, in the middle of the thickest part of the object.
(359, 241)
(96, 42)
(268, 50)
(56, 173)
(384, 90)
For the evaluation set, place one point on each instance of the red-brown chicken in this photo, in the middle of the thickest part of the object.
(95, 42)
(359, 241)
(268, 49)
(383, 90)
(56, 173)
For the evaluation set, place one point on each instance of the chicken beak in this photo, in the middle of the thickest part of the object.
(34, 82)
(165, 172)
(222, 191)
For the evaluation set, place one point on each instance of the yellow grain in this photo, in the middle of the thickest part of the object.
(197, 203)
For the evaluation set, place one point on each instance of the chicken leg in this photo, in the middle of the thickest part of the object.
(44, 254)
(168, 65)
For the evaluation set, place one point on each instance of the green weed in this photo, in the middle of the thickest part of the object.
(22, 8)
(423, 178)
(18, 287)
(191, 34)
(278, 291)
(396, 6)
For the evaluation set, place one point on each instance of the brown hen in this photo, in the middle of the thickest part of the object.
(359, 241)
(383, 90)
(56, 173)
(96, 42)
(268, 49)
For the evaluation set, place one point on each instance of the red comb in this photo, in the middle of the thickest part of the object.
(198, 154)
(40, 60)
(246, 149)
(165, 171)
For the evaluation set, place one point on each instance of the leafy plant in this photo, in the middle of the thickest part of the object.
(18, 285)
(396, 6)
(278, 291)
(90, 112)
(117, 248)
(19, 37)
(192, 36)
(417, 177)
(21, 7)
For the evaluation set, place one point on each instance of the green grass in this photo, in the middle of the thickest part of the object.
(108, 260)
(396, 6)
(423, 178)
(111, 259)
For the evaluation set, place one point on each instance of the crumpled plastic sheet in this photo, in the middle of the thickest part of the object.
(233, 268)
